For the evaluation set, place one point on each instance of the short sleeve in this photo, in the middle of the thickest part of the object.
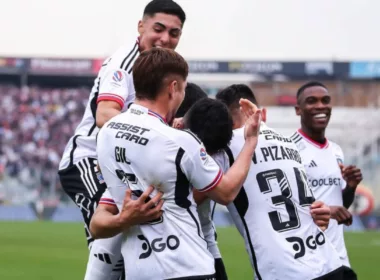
(340, 160)
(114, 86)
(201, 169)
(222, 160)
(107, 198)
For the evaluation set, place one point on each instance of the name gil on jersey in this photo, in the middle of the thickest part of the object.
(132, 132)
(276, 153)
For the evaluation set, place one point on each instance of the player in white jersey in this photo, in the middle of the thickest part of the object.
(107, 206)
(137, 148)
(113, 91)
(273, 209)
(108, 251)
(206, 117)
(322, 159)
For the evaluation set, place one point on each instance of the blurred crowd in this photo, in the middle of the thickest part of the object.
(36, 124)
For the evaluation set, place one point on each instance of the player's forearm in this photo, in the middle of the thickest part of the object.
(105, 225)
(236, 175)
(348, 196)
(103, 116)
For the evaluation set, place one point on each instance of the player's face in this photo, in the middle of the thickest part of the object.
(161, 31)
(315, 108)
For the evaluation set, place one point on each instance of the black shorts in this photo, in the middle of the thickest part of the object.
(220, 270)
(334, 275)
(84, 184)
(349, 274)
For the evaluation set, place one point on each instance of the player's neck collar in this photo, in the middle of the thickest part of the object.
(154, 114)
(315, 143)
(140, 109)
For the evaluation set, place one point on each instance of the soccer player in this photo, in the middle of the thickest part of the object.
(108, 251)
(207, 117)
(112, 93)
(274, 209)
(210, 120)
(330, 181)
(139, 149)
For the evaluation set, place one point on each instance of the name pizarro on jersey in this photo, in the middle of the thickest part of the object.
(276, 153)
(130, 132)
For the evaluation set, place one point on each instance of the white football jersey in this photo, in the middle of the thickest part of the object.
(114, 83)
(272, 212)
(137, 148)
(321, 163)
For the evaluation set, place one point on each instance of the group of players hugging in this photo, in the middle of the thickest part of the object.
(153, 155)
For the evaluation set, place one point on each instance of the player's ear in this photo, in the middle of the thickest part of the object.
(172, 88)
(140, 27)
(298, 110)
(264, 114)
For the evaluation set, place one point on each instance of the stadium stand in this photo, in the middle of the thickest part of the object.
(38, 121)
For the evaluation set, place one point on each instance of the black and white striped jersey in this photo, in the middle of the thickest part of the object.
(115, 83)
(138, 149)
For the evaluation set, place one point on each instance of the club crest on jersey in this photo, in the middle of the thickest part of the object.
(203, 154)
(118, 76)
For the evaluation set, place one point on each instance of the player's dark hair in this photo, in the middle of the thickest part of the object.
(232, 94)
(308, 85)
(193, 93)
(166, 7)
(211, 121)
(152, 67)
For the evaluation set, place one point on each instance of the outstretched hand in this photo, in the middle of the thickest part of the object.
(253, 119)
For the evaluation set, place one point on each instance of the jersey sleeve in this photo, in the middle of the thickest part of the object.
(201, 169)
(114, 86)
(107, 198)
(222, 160)
(340, 159)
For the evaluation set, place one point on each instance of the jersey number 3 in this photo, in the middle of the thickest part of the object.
(276, 177)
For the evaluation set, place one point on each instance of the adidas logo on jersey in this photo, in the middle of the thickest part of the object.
(104, 258)
(312, 164)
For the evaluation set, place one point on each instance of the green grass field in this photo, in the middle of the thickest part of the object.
(55, 251)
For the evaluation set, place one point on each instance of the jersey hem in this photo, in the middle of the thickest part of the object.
(214, 183)
(198, 277)
(328, 274)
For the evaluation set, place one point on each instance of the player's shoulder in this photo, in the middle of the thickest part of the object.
(185, 139)
(123, 58)
(222, 160)
(336, 149)
(299, 141)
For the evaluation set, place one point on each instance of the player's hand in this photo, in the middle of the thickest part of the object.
(135, 212)
(321, 214)
(178, 123)
(253, 119)
(341, 214)
(352, 175)
(247, 107)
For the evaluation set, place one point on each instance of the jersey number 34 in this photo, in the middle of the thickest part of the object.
(268, 179)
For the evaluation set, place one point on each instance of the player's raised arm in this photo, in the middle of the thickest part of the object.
(114, 90)
(224, 188)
